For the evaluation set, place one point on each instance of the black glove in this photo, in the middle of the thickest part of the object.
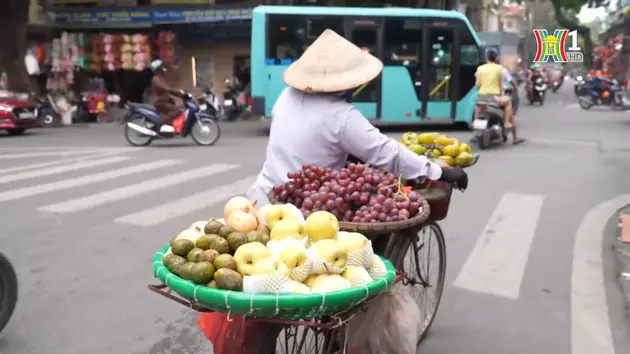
(456, 176)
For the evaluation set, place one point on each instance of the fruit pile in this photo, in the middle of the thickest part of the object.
(438, 146)
(273, 250)
(358, 193)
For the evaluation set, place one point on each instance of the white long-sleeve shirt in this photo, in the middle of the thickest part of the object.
(322, 130)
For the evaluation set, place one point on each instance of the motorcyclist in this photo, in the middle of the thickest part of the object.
(533, 75)
(490, 78)
(313, 123)
(161, 97)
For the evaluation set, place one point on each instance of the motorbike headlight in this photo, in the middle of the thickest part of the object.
(579, 78)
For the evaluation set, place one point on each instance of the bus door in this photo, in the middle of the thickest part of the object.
(367, 33)
(440, 69)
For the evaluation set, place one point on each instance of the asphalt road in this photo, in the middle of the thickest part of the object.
(528, 269)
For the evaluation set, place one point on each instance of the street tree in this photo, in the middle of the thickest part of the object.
(13, 28)
(566, 12)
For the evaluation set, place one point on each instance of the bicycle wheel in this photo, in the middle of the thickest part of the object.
(297, 339)
(425, 288)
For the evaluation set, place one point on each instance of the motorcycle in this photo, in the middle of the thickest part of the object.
(231, 109)
(488, 124)
(47, 113)
(611, 95)
(144, 121)
(538, 93)
(555, 86)
(209, 104)
(8, 291)
(579, 84)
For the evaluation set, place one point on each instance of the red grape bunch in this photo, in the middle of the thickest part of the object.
(358, 193)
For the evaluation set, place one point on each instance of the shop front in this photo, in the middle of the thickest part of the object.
(204, 47)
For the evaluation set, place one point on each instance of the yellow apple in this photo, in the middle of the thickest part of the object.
(311, 280)
(248, 255)
(330, 283)
(278, 212)
(321, 225)
(286, 228)
(332, 252)
(293, 256)
(352, 241)
(270, 266)
(298, 288)
(356, 275)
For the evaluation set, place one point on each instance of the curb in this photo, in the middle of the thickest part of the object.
(621, 249)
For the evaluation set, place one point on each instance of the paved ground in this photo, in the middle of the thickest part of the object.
(528, 267)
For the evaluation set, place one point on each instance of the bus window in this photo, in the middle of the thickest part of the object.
(440, 67)
(403, 45)
(289, 35)
(469, 62)
(366, 38)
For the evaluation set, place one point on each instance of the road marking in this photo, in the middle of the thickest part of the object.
(568, 142)
(198, 201)
(62, 161)
(590, 322)
(133, 190)
(61, 169)
(45, 154)
(497, 263)
(82, 181)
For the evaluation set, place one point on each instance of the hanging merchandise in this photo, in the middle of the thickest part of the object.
(108, 41)
(79, 41)
(126, 56)
(40, 53)
(139, 48)
(166, 48)
(98, 53)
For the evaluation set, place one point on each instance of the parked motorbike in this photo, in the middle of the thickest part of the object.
(538, 93)
(610, 94)
(209, 104)
(488, 124)
(8, 291)
(143, 124)
(231, 108)
(47, 113)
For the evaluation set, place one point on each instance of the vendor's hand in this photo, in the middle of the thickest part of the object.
(182, 93)
(456, 176)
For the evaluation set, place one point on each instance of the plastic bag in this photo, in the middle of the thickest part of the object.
(236, 335)
(178, 124)
(391, 325)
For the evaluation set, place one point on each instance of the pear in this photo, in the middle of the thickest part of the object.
(356, 275)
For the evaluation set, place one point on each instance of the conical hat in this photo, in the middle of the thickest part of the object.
(332, 64)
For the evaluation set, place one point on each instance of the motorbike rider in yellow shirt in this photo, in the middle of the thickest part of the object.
(490, 79)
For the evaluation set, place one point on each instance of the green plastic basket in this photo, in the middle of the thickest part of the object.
(280, 306)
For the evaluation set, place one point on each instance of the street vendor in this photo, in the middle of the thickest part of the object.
(312, 122)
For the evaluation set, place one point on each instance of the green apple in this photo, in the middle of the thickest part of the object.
(321, 225)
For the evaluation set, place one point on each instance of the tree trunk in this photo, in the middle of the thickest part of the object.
(13, 23)
(583, 31)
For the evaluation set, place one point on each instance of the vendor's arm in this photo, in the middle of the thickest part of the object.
(161, 83)
(361, 139)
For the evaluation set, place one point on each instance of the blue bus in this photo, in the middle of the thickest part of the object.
(430, 58)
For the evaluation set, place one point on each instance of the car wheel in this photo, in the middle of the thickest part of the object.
(16, 131)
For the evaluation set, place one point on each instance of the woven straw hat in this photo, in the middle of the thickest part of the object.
(332, 64)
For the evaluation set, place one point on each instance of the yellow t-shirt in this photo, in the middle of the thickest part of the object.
(490, 79)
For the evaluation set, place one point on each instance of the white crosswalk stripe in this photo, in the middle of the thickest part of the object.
(61, 169)
(82, 181)
(55, 162)
(187, 205)
(497, 263)
(135, 189)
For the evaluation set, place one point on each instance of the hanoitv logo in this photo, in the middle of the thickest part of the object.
(553, 47)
